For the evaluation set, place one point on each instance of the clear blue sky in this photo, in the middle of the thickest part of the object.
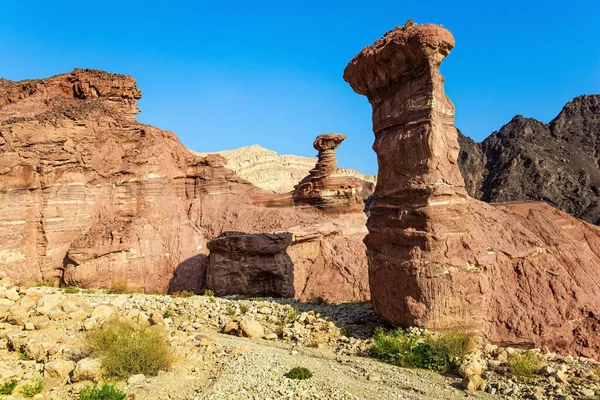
(233, 73)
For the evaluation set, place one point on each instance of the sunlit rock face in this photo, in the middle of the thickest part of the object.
(519, 273)
(89, 195)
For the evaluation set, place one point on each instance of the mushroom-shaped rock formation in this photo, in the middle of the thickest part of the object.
(323, 187)
(520, 273)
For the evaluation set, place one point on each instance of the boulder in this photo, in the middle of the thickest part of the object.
(522, 273)
(250, 264)
(251, 328)
(473, 383)
(58, 369)
(87, 369)
(17, 315)
(103, 313)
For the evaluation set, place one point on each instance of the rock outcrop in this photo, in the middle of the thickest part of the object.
(89, 195)
(558, 163)
(324, 188)
(278, 173)
(521, 273)
(253, 265)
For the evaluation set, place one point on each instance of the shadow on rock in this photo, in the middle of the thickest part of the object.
(190, 275)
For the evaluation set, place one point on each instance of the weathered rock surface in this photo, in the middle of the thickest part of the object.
(522, 273)
(558, 163)
(89, 195)
(279, 173)
(253, 265)
(324, 188)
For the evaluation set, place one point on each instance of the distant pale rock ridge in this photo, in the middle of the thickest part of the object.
(271, 171)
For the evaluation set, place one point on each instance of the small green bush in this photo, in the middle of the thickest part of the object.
(23, 356)
(209, 293)
(243, 308)
(299, 373)
(183, 293)
(119, 285)
(32, 388)
(105, 392)
(167, 314)
(525, 364)
(7, 387)
(71, 289)
(128, 348)
(230, 310)
(441, 352)
(292, 314)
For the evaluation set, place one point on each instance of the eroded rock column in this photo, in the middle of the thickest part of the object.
(322, 187)
(420, 202)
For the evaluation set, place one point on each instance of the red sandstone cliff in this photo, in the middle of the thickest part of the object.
(521, 273)
(88, 194)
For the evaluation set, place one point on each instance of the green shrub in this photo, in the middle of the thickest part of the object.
(23, 356)
(230, 310)
(105, 392)
(167, 314)
(45, 283)
(441, 352)
(299, 373)
(209, 293)
(32, 388)
(7, 387)
(71, 289)
(525, 364)
(128, 348)
(292, 314)
(183, 293)
(119, 285)
(243, 308)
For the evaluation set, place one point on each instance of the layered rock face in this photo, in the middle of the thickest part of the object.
(521, 273)
(88, 195)
(323, 187)
(254, 265)
(279, 173)
(558, 162)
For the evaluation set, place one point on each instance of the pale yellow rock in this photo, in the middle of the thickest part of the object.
(268, 170)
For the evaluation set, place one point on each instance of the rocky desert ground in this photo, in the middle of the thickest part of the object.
(228, 348)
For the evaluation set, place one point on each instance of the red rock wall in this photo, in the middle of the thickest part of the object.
(88, 194)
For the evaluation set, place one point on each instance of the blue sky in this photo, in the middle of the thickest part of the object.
(233, 73)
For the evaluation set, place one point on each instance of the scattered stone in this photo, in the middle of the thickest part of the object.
(58, 369)
(251, 328)
(473, 382)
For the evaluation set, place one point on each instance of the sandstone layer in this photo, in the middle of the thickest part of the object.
(558, 163)
(324, 188)
(89, 195)
(278, 173)
(521, 273)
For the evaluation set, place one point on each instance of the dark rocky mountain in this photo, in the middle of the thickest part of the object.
(558, 163)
